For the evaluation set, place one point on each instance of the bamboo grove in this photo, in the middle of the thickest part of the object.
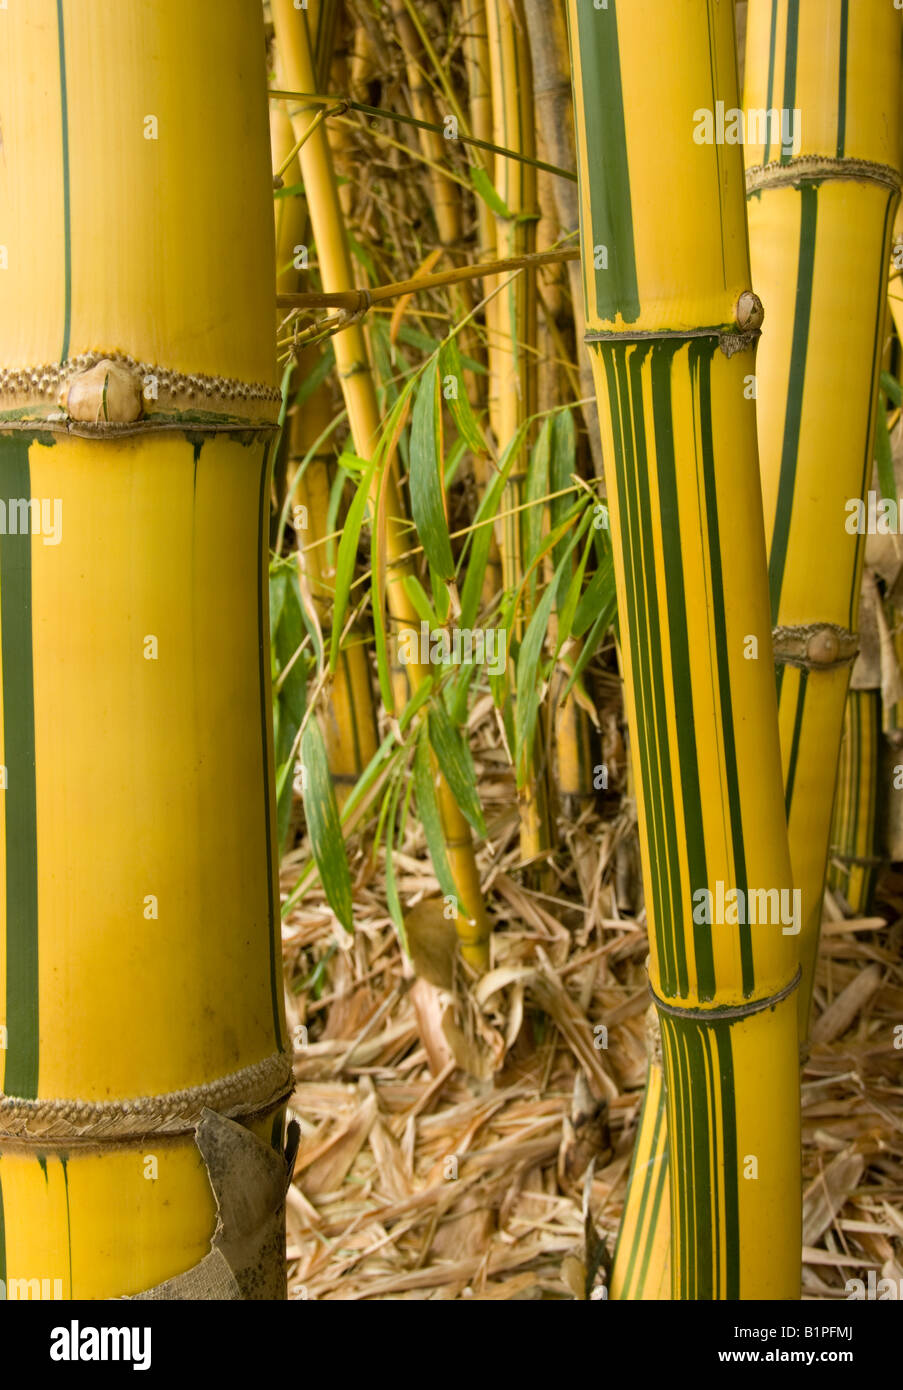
(428, 461)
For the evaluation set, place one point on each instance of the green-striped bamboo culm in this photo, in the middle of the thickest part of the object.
(672, 324)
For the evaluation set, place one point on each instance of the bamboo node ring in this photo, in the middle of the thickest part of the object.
(815, 646)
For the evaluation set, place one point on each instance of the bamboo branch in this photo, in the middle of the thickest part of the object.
(359, 301)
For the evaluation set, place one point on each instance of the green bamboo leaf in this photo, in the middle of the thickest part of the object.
(421, 604)
(529, 678)
(346, 562)
(567, 610)
(892, 387)
(324, 826)
(292, 698)
(480, 539)
(393, 901)
(452, 370)
(278, 582)
(383, 665)
(427, 507)
(607, 618)
(887, 481)
(428, 809)
(485, 189)
(563, 464)
(535, 487)
(600, 591)
(416, 702)
(456, 454)
(457, 766)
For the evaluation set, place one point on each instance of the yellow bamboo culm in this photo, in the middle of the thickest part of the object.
(512, 331)
(140, 998)
(822, 191)
(672, 324)
(356, 375)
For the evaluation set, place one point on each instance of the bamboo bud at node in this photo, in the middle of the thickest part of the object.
(106, 392)
(823, 648)
(749, 312)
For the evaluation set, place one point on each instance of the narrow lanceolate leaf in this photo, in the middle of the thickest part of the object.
(454, 758)
(884, 455)
(428, 810)
(562, 466)
(454, 393)
(481, 534)
(529, 674)
(346, 561)
(567, 607)
(393, 900)
(291, 698)
(485, 189)
(324, 826)
(598, 596)
(535, 490)
(427, 503)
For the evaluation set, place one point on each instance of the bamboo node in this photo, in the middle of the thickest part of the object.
(817, 168)
(112, 388)
(815, 646)
(252, 1089)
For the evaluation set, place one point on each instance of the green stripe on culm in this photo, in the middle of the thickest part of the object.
(700, 1066)
(614, 360)
(617, 291)
(638, 356)
(842, 79)
(662, 363)
(772, 49)
(663, 1178)
(793, 416)
(795, 742)
(729, 1170)
(67, 220)
(701, 352)
(790, 61)
(19, 798)
(647, 1183)
(263, 666)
